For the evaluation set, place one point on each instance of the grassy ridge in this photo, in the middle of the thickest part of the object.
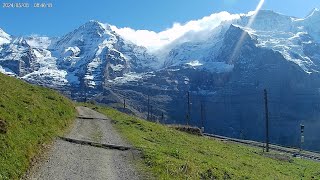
(34, 115)
(170, 154)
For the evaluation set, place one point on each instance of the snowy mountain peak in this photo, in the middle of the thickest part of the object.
(269, 13)
(265, 14)
(85, 37)
(94, 28)
(312, 19)
(96, 25)
(311, 24)
(267, 20)
(4, 37)
(314, 13)
(2, 32)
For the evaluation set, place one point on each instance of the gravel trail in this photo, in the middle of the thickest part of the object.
(72, 161)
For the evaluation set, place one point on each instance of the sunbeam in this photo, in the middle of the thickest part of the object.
(243, 35)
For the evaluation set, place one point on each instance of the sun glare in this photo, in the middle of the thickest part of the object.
(243, 35)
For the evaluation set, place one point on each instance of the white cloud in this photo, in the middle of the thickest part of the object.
(155, 41)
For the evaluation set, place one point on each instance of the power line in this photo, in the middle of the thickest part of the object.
(226, 102)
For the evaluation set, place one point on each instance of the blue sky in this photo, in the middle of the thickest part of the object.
(155, 15)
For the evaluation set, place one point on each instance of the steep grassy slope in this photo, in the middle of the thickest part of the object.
(170, 154)
(34, 115)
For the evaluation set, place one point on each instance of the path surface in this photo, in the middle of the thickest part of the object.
(73, 161)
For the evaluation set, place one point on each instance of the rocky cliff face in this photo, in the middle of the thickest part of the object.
(226, 72)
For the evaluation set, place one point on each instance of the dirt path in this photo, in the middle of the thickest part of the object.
(67, 160)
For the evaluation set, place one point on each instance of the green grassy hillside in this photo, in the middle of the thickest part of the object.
(171, 154)
(33, 115)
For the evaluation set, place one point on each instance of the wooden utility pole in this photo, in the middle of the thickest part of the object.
(162, 118)
(301, 137)
(267, 118)
(151, 112)
(189, 110)
(148, 108)
(202, 111)
(85, 96)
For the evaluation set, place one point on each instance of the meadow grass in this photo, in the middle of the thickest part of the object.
(34, 115)
(171, 154)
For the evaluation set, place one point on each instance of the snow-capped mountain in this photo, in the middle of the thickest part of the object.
(89, 56)
(81, 55)
(4, 37)
(95, 55)
(218, 63)
(288, 35)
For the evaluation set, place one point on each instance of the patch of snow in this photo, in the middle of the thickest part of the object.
(89, 77)
(128, 77)
(131, 77)
(72, 51)
(36, 41)
(95, 63)
(48, 72)
(117, 67)
(186, 80)
(7, 71)
(37, 54)
(48, 76)
(93, 75)
(194, 63)
(288, 44)
(173, 70)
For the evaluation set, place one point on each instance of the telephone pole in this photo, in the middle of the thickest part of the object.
(267, 118)
(188, 114)
(151, 113)
(162, 118)
(301, 137)
(202, 111)
(148, 108)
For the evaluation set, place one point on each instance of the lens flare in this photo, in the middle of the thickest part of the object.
(243, 35)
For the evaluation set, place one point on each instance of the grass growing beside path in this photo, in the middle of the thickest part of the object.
(33, 115)
(171, 154)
